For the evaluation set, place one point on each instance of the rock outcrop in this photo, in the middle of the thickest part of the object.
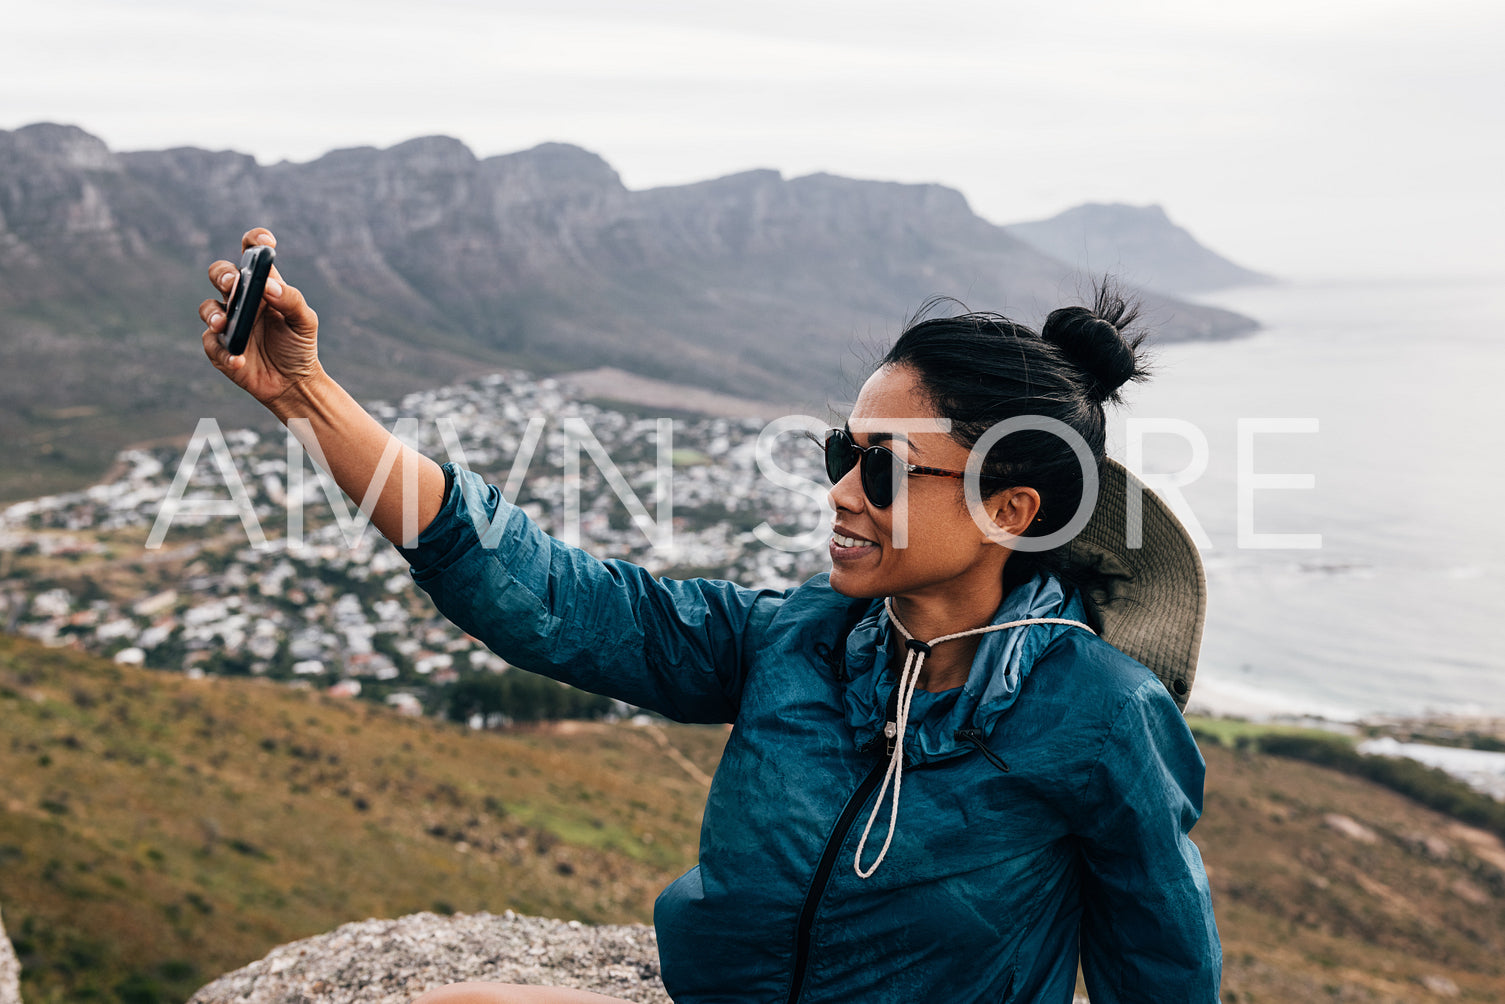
(393, 961)
(10, 970)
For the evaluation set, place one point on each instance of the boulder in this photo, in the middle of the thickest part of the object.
(393, 961)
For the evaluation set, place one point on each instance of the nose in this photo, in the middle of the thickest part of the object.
(847, 495)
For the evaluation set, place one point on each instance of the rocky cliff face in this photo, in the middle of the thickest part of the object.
(426, 262)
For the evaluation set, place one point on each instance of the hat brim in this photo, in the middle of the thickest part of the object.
(1151, 599)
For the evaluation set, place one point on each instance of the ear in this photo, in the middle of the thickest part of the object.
(1014, 509)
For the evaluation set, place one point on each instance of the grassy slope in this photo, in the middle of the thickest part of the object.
(175, 829)
(157, 831)
(1308, 911)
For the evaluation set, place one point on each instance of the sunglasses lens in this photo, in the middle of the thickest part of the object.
(879, 470)
(841, 455)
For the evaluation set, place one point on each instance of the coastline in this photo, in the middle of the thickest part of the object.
(1468, 748)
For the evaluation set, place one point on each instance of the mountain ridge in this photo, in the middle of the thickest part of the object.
(427, 263)
(1141, 243)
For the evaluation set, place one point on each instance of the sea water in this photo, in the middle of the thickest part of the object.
(1400, 608)
(1483, 770)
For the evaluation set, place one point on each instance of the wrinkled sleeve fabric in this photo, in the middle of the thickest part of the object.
(680, 648)
(1148, 933)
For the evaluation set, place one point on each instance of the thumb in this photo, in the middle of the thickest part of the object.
(290, 303)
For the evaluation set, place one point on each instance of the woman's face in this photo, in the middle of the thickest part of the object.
(945, 551)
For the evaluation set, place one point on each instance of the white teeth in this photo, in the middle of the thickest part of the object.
(850, 541)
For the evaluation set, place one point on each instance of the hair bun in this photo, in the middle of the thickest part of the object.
(1094, 340)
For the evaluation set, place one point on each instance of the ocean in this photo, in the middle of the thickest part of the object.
(1398, 611)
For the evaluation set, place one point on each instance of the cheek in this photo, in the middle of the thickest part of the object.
(893, 522)
(937, 528)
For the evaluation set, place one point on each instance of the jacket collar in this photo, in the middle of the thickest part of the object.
(1003, 661)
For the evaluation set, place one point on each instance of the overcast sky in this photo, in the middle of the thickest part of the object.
(1309, 140)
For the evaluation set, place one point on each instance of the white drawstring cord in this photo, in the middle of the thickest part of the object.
(909, 678)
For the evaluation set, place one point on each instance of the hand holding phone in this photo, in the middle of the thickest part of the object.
(255, 302)
(243, 299)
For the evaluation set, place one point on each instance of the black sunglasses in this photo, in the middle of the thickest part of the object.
(881, 469)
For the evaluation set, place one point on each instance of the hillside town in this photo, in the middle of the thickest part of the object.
(236, 556)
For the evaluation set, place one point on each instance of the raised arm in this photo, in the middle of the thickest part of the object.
(280, 368)
(681, 648)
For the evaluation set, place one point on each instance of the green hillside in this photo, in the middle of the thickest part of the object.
(156, 831)
(1331, 888)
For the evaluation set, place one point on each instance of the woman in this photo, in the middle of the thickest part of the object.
(942, 783)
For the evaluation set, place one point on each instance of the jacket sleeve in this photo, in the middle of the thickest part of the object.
(680, 648)
(1148, 934)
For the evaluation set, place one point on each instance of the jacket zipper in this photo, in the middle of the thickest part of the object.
(828, 859)
(823, 875)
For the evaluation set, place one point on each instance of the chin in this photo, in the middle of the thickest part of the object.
(854, 587)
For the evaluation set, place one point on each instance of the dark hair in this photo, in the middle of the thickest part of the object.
(979, 369)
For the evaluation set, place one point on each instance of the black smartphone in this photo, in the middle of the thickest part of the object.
(243, 301)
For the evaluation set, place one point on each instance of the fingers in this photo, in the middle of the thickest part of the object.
(222, 275)
(285, 307)
(287, 300)
(212, 313)
(255, 236)
(261, 235)
(219, 355)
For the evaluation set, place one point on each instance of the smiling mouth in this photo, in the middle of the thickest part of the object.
(851, 541)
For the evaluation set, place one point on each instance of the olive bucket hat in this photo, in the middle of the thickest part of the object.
(1151, 599)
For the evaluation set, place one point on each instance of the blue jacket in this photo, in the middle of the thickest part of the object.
(1044, 814)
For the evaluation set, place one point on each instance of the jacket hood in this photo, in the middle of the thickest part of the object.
(1003, 661)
